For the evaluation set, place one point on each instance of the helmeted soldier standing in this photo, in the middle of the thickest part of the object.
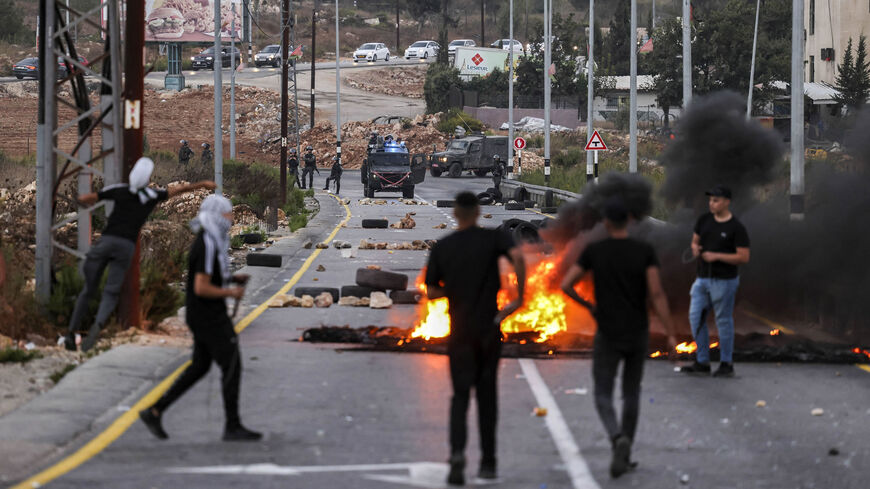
(310, 167)
(335, 174)
(293, 164)
(184, 153)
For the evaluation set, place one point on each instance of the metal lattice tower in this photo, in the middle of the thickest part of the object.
(78, 160)
(293, 122)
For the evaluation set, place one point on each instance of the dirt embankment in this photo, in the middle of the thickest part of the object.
(403, 82)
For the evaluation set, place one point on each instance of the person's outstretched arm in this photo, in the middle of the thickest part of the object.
(190, 187)
(572, 276)
(519, 262)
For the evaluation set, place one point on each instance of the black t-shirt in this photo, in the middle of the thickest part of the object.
(201, 310)
(618, 269)
(466, 262)
(336, 171)
(129, 213)
(720, 237)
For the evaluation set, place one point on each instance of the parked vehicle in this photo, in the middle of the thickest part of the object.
(268, 56)
(470, 153)
(371, 51)
(390, 168)
(422, 50)
(451, 48)
(506, 45)
(205, 59)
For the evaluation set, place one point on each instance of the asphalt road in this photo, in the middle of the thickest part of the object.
(335, 417)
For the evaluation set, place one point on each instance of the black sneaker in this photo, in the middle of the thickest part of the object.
(725, 370)
(620, 464)
(152, 421)
(696, 368)
(487, 470)
(456, 477)
(92, 337)
(69, 341)
(240, 433)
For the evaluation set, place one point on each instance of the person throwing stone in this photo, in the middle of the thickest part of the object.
(214, 338)
(625, 273)
(464, 268)
(720, 243)
(133, 202)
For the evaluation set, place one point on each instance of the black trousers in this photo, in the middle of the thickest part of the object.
(308, 172)
(474, 363)
(605, 363)
(294, 177)
(218, 343)
(337, 181)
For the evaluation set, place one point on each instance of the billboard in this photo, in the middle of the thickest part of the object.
(477, 61)
(190, 20)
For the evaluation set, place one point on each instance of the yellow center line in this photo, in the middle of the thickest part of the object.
(864, 367)
(120, 425)
(541, 213)
(768, 322)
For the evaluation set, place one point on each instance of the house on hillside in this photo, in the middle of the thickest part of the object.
(615, 94)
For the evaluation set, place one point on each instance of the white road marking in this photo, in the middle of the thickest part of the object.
(273, 469)
(576, 466)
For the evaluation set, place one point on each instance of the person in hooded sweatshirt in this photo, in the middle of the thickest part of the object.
(214, 337)
(133, 202)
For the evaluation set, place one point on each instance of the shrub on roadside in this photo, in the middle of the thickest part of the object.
(14, 355)
(440, 79)
(159, 298)
(455, 117)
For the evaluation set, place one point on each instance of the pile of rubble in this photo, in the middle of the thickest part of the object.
(420, 136)
(417, 245)
(402, 82)
(406, 222)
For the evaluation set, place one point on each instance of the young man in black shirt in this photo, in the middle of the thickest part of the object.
(214, 337)
(625, 273)
(464, 268)
(133, 203)
(721, 243)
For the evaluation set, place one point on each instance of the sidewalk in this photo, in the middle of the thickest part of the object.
(93, 395)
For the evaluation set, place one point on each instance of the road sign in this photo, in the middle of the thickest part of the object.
(596, 143)
(519, 143)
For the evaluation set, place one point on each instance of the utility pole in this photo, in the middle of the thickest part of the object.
(134, 90)
(653, 17)
(752, 66)
(632, 124)
(233, 88)
(218, 102)
(510, 161)
(548, 7)
(285, 55)
(483, 22)
(590, 91)
(313, 54)
(338, 81)
(398, 48)
(796, 188)
(249, 22)
(687, 54)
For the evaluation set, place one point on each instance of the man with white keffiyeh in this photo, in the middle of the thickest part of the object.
(133, 202)
(214, 338)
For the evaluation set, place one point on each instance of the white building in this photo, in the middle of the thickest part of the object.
(828, 25)
(617, 94)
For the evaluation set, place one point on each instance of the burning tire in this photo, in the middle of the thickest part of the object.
(375, 223)
(443, 203)
(381, 280)
(406, 296)
(356, 291)
(514, 206)
(315, 291)
(525, 233)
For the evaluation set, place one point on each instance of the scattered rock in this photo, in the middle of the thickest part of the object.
(322, 246)
(280, 301)
(379, 300)
(349, 301)
(321, 268)
(833, 452)
(307, 301)
(440, 226)
(761, 404)
(323, 300)
(684, 479)
(406, 222)
(817, 412)
(308, 244)
(339, 244)
(364, 302)
(373, 267)
(540, 412)
(487, 216)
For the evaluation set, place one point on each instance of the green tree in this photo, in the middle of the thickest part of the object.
(440, 79)
(12, 28)
(853, 76)
(614, 59)
(665, 64)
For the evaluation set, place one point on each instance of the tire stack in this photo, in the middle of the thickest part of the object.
(369, 280)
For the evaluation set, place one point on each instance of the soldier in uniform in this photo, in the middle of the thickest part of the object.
(335, 174)
(184, 153)
(310, 167)
(293, 164)
(207, 157)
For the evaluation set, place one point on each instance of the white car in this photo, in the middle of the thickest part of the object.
(451, 48)
(506, 45)
(371, 51)
(422, 50)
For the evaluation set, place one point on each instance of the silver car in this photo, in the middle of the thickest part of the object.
(268, 56)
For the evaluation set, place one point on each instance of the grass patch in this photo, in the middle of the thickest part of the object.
(14, 355)
(59, 374)
(297, 222)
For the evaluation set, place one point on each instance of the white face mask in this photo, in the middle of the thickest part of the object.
(140, 175)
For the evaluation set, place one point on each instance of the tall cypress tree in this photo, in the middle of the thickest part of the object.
(853, 76)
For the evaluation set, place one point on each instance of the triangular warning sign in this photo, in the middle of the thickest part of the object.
(596, 143)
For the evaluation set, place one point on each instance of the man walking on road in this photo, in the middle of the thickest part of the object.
(310, 167)
(114, 250)
(464, 268)
(722, 243)
(214, 338)
(293, 164)
(184, 153)
(335, 175)
(625, 272)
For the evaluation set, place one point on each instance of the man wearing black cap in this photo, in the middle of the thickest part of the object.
(463, 267)
(625, 272)
(721, 243)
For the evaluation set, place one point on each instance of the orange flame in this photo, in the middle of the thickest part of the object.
(775, 332)
(543, 311)
(686, 347)
(860, 351)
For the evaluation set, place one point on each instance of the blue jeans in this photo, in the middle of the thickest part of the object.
(718, 295)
